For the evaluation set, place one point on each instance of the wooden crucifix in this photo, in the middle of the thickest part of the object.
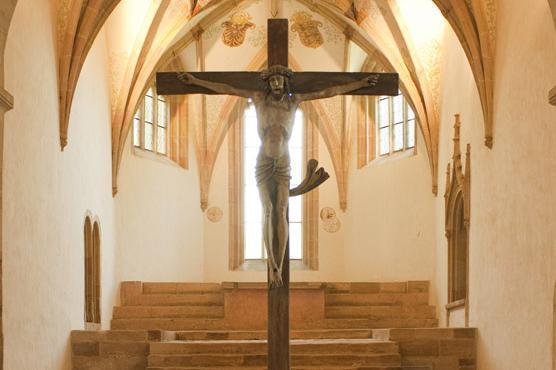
(276, 94)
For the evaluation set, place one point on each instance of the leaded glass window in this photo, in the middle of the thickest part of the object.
(395, 125)
(150, 123)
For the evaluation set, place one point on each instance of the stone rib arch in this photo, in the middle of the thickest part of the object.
(175, 37)
(372, 41)
(85, 20)
(475, 29)
(7, 9)
(471, 22)
(178, 40)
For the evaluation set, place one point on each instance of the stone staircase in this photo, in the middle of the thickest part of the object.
(334, 326)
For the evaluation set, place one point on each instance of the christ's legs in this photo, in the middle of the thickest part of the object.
(265, 192)
(282, 199)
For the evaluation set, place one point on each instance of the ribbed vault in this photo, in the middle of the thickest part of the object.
(378, 27)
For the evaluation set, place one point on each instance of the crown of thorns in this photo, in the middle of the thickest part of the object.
(276, 70)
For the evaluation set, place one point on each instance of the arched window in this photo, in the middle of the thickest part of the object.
(386, 126)
(92, 273)
(246, 217)
(160, 126)
(395, 125)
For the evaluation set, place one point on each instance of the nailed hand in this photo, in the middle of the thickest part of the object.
(186, 78)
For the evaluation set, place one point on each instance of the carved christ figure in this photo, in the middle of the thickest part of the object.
(275, 107)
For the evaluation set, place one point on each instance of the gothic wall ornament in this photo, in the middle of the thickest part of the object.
(457, 216)
(308, 29)
(236, 28)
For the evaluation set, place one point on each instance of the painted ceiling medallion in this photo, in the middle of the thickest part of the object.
(214, 214)
(236, 28)
(308, 29)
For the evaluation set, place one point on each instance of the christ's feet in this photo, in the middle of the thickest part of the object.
(276, 278)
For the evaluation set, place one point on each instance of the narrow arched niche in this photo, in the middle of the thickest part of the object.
(92, 274)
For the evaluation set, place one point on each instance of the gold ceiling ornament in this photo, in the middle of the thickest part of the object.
(236, 28)
(308, 29)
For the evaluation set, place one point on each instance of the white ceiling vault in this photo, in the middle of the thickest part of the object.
(144, 36)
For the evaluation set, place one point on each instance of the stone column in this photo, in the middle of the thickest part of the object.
(6, 104)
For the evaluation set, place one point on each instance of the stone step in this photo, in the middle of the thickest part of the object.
(262, 334)
(379, 323)
(238, 361)
(293, 368)
(376, 299)
(378, 312)
(258, 347)
(189, 299)
(130, 312)
(434, 348)
(219, 324)
(373, 287)
(181, 288)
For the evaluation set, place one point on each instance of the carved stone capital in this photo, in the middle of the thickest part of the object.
(6, 100)
(197, 33)
(348, 32)
(552, 96)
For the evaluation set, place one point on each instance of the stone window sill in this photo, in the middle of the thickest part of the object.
(393, 157)
(261, 265)
(160, 158)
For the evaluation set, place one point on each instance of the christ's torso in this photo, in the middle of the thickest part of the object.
(275, 123)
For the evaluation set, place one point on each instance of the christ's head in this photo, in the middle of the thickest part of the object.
(277, 79)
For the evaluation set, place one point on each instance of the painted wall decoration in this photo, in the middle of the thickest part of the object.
(307, 29)
(330, 223)
(214, 214)
(236, 28)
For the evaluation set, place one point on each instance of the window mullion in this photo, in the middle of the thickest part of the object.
(142, 124)
(391, 124)
(404, 118)
(155, 121)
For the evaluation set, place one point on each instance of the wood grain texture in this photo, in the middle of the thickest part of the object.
(279, 298)
(167, 83)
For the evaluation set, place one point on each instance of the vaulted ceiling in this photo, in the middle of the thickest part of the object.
(405, 36)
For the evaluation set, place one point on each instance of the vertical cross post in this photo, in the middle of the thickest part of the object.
(278, 298)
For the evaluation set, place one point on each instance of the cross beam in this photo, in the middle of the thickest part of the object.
(168, 83)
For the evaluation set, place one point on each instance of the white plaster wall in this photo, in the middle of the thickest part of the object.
(160, 222)
(389, 227)
(48, 192)
(383, 199)
(513, 204)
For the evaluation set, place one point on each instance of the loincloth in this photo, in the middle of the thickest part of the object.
(268, 168)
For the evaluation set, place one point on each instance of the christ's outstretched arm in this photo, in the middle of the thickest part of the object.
(339, 90)
(218, 87)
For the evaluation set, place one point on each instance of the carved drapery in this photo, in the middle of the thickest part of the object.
(457, 217)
